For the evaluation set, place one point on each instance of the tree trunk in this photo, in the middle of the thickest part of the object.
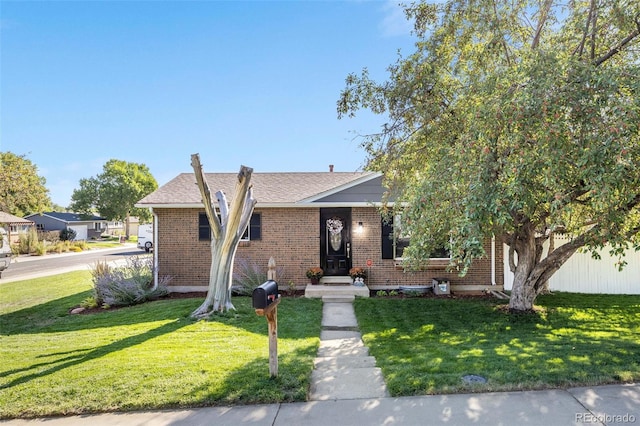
(127, 224)
(531, 272)
(226, 232)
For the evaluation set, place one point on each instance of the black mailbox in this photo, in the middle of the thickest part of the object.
(265, 294)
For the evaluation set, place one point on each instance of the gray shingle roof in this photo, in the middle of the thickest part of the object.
(268, 188)
(71, 217)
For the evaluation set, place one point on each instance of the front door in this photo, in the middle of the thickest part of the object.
(335, 241)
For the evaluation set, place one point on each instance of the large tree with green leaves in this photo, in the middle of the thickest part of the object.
(22, 190)
(114, 192)
(515, 119)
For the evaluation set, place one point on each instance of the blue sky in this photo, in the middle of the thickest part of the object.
(253, 83)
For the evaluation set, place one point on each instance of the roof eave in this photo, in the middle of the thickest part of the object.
(350, 184)
(267, 205)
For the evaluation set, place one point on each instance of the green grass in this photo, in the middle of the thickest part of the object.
(425, 346)
(112, 242)
(148, 356)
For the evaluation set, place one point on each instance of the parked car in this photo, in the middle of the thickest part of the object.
(145, 237)
(5, 251)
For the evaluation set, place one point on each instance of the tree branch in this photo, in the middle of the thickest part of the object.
(205, 192)
(615, 50)
(580, 47)
(543, 18)
(502, 41)
(594, 29)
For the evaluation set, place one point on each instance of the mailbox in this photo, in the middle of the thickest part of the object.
(265, 294)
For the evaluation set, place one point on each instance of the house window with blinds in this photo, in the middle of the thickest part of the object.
(252, 233)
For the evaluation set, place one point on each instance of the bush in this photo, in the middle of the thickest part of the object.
(126, 285)
(52, 237)
(40, 248)
(249, 275)
(68, 234)
(28, 242)
(79, 246)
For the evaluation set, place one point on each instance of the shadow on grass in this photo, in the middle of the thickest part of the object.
(81, 356)
(244, 386)
(426, 346)
(54, 316)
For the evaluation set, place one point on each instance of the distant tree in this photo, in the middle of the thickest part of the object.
(114, 192)
(22, 190)
(515, 119)
(58, 208)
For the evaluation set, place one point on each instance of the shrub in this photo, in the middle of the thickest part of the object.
(249, 275)
(89, 303)
(40, 249)
(27, 242)
(82, 245)
(68, 234)
(126, 285)
(49, 236)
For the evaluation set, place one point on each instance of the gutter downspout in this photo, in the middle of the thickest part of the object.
(493, 260)
(155, 249)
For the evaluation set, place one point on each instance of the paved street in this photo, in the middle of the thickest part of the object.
(26, 267)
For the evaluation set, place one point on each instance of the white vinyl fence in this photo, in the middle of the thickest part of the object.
(583, 274)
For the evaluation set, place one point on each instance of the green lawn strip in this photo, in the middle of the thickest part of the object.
(149, 356)
(426, 346)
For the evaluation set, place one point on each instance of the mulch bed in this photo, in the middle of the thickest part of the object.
(431, 295)
(170, 296)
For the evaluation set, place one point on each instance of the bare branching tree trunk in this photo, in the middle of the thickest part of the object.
(226, 231)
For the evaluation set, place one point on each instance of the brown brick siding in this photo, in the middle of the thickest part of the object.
(291, 237)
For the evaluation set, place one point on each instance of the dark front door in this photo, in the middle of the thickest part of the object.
(335, 241)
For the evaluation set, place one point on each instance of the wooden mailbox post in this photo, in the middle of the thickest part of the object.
(271, 313)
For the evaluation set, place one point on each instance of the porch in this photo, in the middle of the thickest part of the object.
(336, 287)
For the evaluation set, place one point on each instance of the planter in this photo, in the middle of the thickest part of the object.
(314, 281)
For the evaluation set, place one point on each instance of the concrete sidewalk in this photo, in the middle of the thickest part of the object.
(602, 405)
(347, 389)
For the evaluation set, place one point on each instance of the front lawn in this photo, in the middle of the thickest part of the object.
(148, 356)
(426, 345)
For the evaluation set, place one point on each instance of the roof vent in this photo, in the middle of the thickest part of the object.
(331, 168)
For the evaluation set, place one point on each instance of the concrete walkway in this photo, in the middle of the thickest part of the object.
(347, 389)
(343, 368)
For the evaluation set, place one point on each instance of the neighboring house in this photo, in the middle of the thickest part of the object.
(15, 226)
(119, 228)
(584, 274)
(86, 226)
(292, 223)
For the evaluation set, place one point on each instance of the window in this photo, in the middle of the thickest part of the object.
(39, 226)
(253, 231)
(204, 230)
(97, 226)
(394, 241)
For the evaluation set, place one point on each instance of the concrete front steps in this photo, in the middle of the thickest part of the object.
(335, 286)
(343, 368)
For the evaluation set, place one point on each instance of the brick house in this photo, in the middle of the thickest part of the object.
(292, 223)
